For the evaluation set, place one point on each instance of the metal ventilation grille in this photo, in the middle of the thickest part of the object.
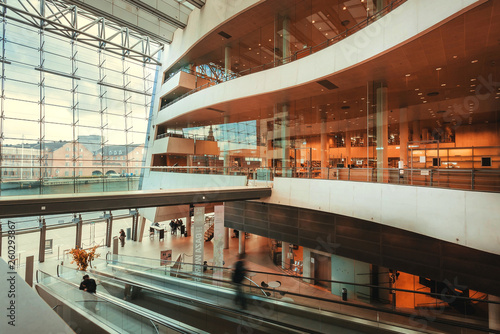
(225, 35)
(327, 84)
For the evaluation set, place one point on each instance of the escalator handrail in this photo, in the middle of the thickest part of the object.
(234, 313)
(430, 294)
(347, 303)
(160, 319)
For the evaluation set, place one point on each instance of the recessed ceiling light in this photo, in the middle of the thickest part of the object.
(455, 57)
(408, 74)
(344, 8)
(472, 79)
(269, 39)
(417, 89)
(438, 68)
(419, 93)
(442, 85)
(474, 61)
(313, 21)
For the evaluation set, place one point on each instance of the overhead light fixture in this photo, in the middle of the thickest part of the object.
(408, 74)
(438, 68)
(474, 61)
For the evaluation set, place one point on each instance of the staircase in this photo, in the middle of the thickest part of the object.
(209, 233)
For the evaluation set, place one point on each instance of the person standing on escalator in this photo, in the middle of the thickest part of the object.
(238, 276)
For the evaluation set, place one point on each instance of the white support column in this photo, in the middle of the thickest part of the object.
(226, 237)
(324, 149)
(285, 249)
(227, 60)
(241, 242)
(219, 237)
(198, 240)
(141, 230)
(188, 224)
(306, 265)
(226, 149)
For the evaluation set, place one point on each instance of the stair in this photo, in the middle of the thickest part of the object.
(209, 233)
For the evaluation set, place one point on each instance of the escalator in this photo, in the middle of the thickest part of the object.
(192, 299)
(101, 312)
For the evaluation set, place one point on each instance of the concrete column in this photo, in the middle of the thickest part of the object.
(115, 247)
(285, 249)
(308, 268)
(219, 236)
(324, 149)
(403, 135)
(494, 313)
(135, 226)
(282, 133)
(226, 150)
(286, 38)
(227, 60)
(241, 242)
(382, 131)
(79, 227)
(226, 237)
(28, 277)
(43, 233)
(198, 239)
(143, 227)
(109, 228)
(188, 224)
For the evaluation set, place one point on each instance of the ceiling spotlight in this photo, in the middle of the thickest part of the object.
(474, 61)
(344, 8)
(417, 89)
(408, 74)
(442, 85)
(438, 68)
(455, 57)
(313, 21)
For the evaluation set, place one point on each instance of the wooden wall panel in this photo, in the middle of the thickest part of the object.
(368, 242)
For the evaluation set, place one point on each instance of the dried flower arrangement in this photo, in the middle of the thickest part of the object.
(82, 257)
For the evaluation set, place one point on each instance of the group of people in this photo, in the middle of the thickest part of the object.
(176, 224)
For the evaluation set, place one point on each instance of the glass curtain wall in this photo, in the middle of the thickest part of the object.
(73, 118)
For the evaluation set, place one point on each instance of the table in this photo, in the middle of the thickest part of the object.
(160, 230)
(274, 285)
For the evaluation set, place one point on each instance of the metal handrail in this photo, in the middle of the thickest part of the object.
(430, 294)
(368, 307)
